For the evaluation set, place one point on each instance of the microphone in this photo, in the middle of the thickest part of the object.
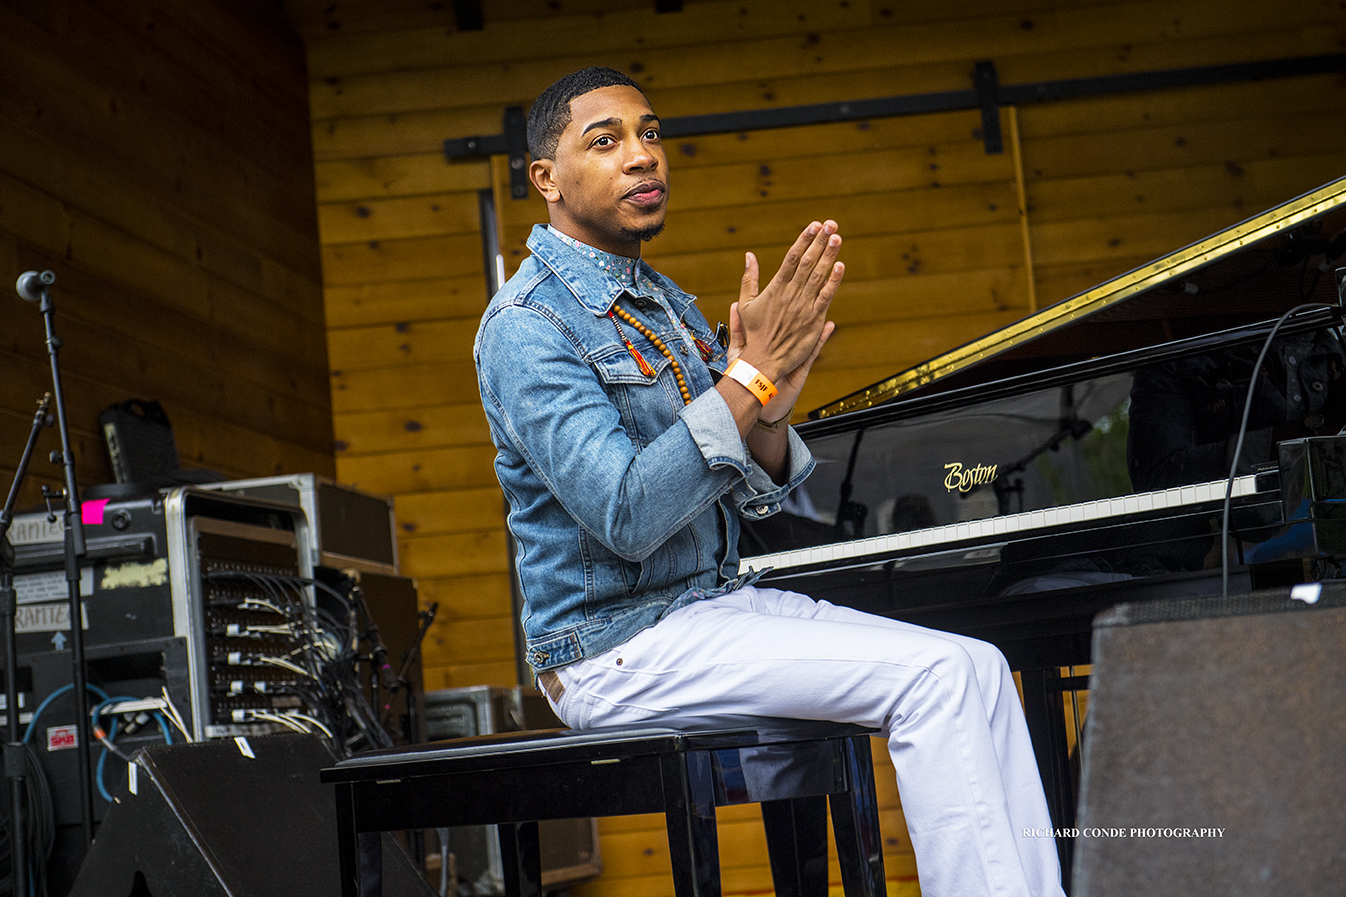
(33, 286)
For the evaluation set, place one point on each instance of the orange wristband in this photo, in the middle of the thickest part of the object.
(762, 389)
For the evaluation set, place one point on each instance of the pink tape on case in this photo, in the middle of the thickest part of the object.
(91, 512)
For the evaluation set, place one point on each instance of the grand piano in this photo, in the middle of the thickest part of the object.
(1017, 485)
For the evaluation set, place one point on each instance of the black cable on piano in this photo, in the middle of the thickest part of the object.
(1243, 429)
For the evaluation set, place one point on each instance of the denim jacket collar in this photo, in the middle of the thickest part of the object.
(597, 294)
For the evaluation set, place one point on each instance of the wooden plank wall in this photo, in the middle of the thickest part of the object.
(155, 155)
(937, 249)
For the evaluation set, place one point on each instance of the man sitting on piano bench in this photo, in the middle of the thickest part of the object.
(628, 442)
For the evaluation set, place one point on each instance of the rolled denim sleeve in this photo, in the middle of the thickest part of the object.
(715, 433)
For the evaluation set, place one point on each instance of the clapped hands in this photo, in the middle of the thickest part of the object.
(781, 329)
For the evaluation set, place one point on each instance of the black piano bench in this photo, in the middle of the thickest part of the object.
(683, 770)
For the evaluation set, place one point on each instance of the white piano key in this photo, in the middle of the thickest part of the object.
(1179, 496)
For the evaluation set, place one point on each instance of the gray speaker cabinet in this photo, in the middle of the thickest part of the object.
(1215, 750)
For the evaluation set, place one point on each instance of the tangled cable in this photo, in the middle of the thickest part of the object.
(325, 658)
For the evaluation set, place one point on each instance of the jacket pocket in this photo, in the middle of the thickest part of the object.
(646, 404)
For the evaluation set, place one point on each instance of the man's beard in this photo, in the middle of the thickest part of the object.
(643, 234)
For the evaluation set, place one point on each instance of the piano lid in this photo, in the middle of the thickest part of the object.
(1251, 272)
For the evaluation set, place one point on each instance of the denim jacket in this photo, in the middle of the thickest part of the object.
(623, 501)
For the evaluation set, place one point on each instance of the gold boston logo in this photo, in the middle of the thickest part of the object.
(964, 478)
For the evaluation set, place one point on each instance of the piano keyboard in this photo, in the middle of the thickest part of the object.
(993, 527)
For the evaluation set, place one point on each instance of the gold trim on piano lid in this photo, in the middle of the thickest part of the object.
(1282, 217)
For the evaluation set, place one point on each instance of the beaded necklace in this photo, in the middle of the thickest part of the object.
(628, 273)
(654, 341)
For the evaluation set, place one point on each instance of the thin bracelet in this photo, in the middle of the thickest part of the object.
(762, 389)
(777, 425)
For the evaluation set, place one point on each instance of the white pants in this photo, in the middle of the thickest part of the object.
(965, 767)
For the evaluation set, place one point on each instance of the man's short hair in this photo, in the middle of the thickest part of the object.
(551, 112)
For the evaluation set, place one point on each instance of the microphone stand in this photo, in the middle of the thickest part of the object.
(33, 286)
(16, 761)
(427, 618)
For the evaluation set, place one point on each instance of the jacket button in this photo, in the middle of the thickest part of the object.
(641, 303)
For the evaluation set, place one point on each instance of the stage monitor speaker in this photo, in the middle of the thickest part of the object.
(140, 441)
(228, 818)
(1215, 749)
